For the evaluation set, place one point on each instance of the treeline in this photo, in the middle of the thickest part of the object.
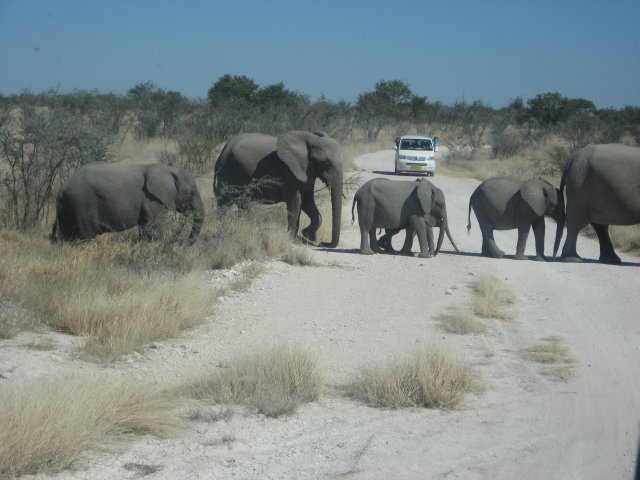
(44, 136)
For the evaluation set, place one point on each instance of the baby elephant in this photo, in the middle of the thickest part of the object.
(501, 203)
(417, 206)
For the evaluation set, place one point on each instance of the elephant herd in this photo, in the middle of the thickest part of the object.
(602, 185)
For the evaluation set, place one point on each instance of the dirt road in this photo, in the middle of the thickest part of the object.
(354, 309)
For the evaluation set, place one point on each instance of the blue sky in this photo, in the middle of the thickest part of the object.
(446, 50)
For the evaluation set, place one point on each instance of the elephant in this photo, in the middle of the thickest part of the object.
(603, 188)
(416, 206)
(283, 169)
(501, 203)
(105, 197)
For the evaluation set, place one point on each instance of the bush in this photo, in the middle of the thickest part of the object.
(40, 149)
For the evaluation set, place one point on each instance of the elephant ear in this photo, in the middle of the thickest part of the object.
(533, 193)
(425, 197)
(161, 184)
(293, 150)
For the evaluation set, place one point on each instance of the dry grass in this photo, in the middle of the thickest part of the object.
(492, 298)
(96, 290)
(555, 356)
(429, 377)
(273, 380)
(461, 321)
(122, 294)
(45, 426)
(559, 374)
(208, 414)
(626, 238)
(548, 351)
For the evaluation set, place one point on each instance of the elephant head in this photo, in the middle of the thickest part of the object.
(545, 199)
(176, 190)
(434, 206)
(310, 156)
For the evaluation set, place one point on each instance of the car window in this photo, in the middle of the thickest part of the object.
(415, 144)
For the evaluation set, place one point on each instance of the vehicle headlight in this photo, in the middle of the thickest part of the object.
(433, 157)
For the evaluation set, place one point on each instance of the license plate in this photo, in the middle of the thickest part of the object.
(415, 168)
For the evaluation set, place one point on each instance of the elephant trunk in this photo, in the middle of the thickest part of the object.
(336, 211)
(560, 217)
(444, 228)
(440, 238)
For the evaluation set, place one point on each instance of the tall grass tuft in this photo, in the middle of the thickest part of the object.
(461, 321)
(274, 380)
(45, 426)
(428, 377)
(493, 298)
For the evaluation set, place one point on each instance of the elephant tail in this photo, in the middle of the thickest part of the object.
(563, 180)
(469, 219)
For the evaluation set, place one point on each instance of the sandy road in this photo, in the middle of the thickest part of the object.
(355, 309)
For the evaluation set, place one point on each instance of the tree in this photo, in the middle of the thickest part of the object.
(156, 109)
(547, 108)
(395, 92)
(232, 90)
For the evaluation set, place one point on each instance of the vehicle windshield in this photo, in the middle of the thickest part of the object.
(415, 144)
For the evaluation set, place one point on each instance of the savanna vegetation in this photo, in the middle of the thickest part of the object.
(120, 294)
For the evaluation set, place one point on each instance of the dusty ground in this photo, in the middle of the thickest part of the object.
(355, 309)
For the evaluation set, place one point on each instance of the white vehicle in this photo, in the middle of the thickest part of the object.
(415, 155)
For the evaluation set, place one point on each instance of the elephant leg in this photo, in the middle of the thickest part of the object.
(408, 241)
(309, 207)
(385, 241)
(148, 227)
(575, 222)
(489, 246)
(373, 241)
(523, 234)
(538, 232)
(365, 249)
(293, 214)
(422, 231)
(607, 254)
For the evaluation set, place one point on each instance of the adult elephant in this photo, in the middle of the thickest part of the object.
(109, 197)
(501, 203)
(603, 188)
(416, 206)
(283, 169)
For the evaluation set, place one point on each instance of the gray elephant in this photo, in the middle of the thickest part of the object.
(109, 197)
(416, 206)
(603, 188)
(283, 169)
(501, 203)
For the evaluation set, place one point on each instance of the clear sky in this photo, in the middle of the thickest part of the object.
(446, 50)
